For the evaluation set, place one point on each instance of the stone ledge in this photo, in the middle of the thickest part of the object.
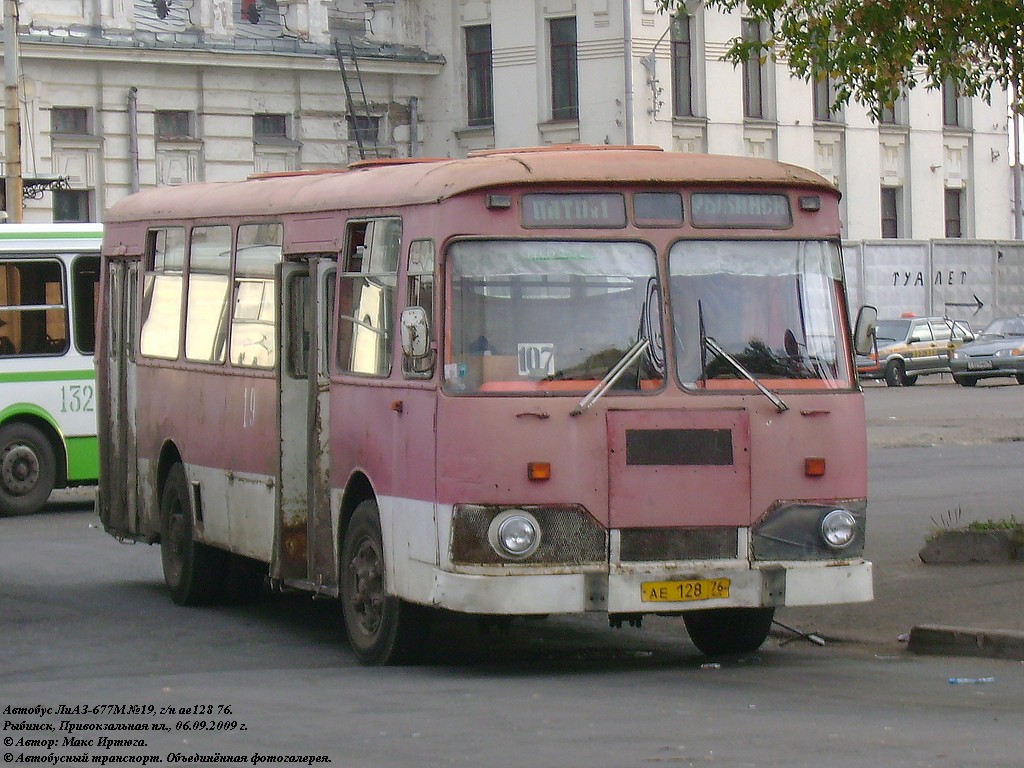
(965, 546)
(964, 641)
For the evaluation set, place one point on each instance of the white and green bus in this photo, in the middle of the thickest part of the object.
(49, 278)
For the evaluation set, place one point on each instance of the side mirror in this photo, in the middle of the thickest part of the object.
(419, 357)
(864, 330)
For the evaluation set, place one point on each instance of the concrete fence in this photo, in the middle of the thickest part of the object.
(973, 280)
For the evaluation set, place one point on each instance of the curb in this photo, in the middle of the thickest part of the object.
(964, 641)
(961, 546)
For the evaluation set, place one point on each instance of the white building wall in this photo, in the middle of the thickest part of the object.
(231, 70)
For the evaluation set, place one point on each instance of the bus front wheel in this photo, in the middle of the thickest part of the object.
(723, 631)
(382, 629)
(193, 571)
(27, 469)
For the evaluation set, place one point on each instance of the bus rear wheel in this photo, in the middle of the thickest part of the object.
(724, 631)
(381, 629)
(27, 469)
(194, 573)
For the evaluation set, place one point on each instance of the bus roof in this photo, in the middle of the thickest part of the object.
(50, 237)
(394, 183)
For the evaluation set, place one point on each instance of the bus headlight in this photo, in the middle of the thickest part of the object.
(514, 534)
(804, 530)
(838, 528)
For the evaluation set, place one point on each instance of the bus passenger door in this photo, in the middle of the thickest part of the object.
(118, 498)
(289, 559)
(322, 568)
(304, 538)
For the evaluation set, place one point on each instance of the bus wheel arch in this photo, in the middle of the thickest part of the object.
(382, 629)
(193, 572)
(31, 454)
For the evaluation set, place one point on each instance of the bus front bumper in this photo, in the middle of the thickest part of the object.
(651, 589)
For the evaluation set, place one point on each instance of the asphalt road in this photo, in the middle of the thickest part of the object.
(85, 623)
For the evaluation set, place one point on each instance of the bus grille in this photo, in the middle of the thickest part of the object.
(659, 544)
(569, 536)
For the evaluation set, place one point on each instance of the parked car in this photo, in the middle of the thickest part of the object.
(998, 351)
(912, 346)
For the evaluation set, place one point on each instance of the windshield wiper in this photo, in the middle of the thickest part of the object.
(611, 377)
(706, 343)
(715, 347)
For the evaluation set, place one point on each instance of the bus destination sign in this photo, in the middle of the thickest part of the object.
(738, 209)
(574, 210)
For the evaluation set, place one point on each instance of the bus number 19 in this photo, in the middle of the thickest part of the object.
(77, 398)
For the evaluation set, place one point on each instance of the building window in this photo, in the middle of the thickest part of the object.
(753, 73)
(73, 121)
(479, 75)
(71, 205)
(893, 114)
(950, 104)
(270, 126)
(172, 124)
(565, 102)
(363, 129)
(682, 65)
(824, 98)
(890, 212)
(954, 211)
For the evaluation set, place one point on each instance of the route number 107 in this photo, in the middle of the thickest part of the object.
(536, 359)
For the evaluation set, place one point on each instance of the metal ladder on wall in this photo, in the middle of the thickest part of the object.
(354, 114)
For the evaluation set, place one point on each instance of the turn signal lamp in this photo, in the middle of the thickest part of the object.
(538, 470)
(814, 466)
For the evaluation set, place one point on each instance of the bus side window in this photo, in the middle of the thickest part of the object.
(367, 296)
(421, 294)
(254, 313)
(85, 275)
(161, 294)
(33, 308)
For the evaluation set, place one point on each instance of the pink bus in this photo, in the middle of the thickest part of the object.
(529, 382)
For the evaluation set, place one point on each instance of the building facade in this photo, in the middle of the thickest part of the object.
(121, 94)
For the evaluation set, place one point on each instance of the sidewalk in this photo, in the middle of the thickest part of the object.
(968, 610)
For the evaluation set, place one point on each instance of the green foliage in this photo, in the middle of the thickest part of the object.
(1002, 524)
(950, 521)
(877, 50)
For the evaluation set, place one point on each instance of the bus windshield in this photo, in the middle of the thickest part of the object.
(551, 316)
(774, 306)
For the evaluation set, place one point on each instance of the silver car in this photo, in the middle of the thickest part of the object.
(997, 351)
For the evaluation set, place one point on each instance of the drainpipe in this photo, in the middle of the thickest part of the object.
(133, 137)
(1018, 167)
(15, 184)
(414, 126)
(627, 35)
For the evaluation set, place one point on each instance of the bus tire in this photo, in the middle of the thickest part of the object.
(28, 469)
(723, 631)
(194, 573)
(382, 629)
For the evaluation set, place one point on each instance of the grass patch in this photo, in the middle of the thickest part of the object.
(1003, 524)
